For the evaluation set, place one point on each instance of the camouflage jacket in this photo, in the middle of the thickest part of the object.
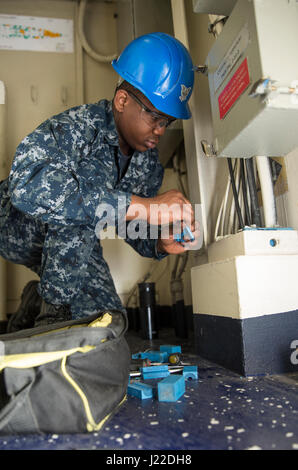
(64, 170)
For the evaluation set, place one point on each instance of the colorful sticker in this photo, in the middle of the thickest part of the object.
(32, 33)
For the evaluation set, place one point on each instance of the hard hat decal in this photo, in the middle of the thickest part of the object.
(184, 93)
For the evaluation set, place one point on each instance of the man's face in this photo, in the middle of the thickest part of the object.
(139, 124)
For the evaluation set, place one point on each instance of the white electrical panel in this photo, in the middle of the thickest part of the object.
(253, 80)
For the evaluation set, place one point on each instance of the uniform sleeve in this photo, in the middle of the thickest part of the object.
(147, 246)
(49, 178)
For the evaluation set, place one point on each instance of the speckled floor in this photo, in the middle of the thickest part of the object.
(221, 410)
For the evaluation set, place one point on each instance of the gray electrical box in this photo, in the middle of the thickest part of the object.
(253, 80)
(214, 7)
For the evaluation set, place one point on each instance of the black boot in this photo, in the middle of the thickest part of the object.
(28, 310)
(50, 314)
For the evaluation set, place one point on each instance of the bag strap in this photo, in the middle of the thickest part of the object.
(24, 361)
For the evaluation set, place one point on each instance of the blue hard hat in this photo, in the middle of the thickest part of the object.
(160, 67)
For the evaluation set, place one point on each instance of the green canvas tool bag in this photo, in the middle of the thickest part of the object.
(65, 378)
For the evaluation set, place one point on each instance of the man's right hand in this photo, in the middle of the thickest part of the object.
(168, 208)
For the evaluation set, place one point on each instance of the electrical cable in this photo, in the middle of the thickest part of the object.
(255, 209)
(216, 24)
(219, 219)
(240, 198)
(244, 192)
(230, 226)
(234, 189)
(222, 212)
(178, 171)
(240, 192)
(244, 201)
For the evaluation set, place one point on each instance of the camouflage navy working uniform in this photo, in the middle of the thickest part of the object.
(60, 175)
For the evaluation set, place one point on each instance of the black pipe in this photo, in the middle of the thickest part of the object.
(148, 311)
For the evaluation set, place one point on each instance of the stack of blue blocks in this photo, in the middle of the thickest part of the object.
(169, 389)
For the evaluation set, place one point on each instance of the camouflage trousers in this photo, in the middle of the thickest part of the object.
(68, 260)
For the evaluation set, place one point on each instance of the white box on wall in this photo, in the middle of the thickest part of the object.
(255, 242)
(246, 286)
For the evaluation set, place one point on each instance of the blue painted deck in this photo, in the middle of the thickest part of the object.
(220, 411)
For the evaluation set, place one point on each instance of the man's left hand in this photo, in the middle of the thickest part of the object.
(171, 246)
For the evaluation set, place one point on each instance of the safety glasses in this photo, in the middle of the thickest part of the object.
(153, 119)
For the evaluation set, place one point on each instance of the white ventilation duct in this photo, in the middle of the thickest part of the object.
(3, 174)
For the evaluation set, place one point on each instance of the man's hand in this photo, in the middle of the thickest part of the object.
(169, 245)
(167, 208)
(170, 210)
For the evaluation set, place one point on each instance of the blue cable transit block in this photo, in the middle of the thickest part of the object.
(154, 356)
(190, 372)
(140, 390)
(154, 372)
(171, 388)
(158, 356)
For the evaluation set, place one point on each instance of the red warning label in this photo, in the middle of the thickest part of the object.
(234, 89)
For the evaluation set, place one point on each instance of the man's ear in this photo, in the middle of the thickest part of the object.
(120, 100)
